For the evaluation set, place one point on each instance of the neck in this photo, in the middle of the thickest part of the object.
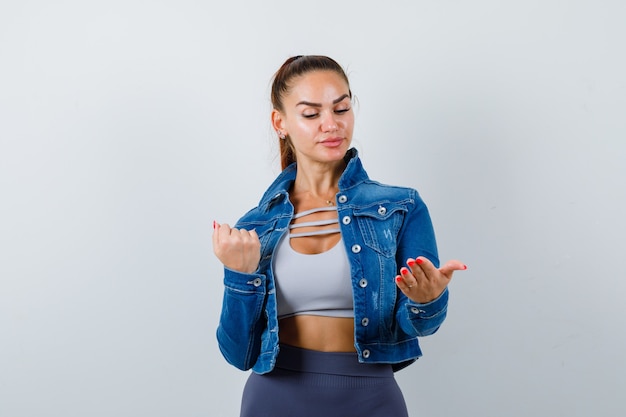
(319, 182)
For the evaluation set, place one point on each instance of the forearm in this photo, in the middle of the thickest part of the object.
(241, 320)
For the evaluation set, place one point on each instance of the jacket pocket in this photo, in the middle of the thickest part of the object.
(379, 225)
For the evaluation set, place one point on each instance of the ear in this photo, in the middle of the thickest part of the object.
(278, 121)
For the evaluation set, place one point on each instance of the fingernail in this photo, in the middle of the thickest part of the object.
(404, 270)
(464, 267)
(398, 278)
(214, 224)
(410, 262)
(419, 261)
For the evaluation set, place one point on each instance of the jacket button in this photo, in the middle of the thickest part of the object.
(382, 211)
(363, 283)
(365, 321)
(356, 248)
(342, 199)
(346, 220)
(257, 282)
(416, 310)
(366, 353)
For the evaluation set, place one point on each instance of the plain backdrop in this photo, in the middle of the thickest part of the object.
(127, 127)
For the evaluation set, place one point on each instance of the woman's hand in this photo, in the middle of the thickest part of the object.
(237, 249)
(422, 282)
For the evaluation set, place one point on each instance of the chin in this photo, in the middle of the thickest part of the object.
(336, 154)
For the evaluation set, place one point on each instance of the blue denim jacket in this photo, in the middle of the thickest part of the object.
(382, 226)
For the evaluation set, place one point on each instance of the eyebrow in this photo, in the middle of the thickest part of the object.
(308, 103)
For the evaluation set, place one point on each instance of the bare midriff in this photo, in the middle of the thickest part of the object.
(325, 334)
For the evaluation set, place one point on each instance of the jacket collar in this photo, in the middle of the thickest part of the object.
(353, 175)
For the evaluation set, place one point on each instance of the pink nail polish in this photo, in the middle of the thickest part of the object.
(419, 261)
(404, 270)
(398, 278)
(214, 225)
(410, 262)
(464, 267)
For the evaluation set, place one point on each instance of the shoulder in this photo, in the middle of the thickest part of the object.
(361, 188)
(373, 191)
(273, 206)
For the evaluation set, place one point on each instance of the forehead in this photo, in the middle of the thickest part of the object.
(318, 86)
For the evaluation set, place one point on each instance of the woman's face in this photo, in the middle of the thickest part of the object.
(317, 117)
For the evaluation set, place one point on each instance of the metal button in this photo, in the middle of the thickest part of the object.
(342, 199)
(346, 220)
(382, 211)
(356, 248)
(363, 283)
(416, 310)
(366, 353)
(365, 321)
(257, 282)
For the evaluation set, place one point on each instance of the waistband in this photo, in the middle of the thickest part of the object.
(336, 363)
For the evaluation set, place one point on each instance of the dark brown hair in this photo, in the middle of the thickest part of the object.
(292, 68)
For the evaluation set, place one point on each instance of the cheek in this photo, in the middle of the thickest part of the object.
(348, 123)
(305, 126)
(301, 131)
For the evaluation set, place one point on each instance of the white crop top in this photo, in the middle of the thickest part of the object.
(319, 284)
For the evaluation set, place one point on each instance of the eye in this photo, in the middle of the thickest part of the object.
(342, 111)
(310, 115)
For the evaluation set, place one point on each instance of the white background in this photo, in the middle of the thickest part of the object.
(127, 127)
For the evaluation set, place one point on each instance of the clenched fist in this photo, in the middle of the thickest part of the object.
(237, 249)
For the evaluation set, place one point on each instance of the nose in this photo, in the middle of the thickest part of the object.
(329, 123)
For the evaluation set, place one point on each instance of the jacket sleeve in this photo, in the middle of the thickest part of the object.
(417, 238)
(241, 320)
(425, 319)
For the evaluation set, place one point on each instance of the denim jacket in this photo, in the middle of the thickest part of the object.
(382, 226)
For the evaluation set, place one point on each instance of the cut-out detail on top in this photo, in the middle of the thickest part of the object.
(314, 223)
(313, 210)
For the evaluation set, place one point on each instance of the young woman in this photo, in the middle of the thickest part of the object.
(332, 278)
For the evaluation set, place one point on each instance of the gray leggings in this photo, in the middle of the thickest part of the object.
(307, 383)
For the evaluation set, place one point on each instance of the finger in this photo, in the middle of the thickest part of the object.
(408, 278)
(254, 235)
(249, 239)
(402, 281)
(423, 268)
(451, 266)
(221, 237)
(244, 234)
(224, 230)
(216, 227)
(415, 268)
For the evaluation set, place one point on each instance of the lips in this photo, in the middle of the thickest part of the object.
(332, 142)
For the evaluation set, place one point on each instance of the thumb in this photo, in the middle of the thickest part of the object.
(449, 267)
(216, 227)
